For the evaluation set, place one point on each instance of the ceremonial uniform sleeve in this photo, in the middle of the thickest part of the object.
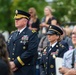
(62, 52)
(29, 54)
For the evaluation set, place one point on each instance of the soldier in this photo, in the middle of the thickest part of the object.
(22, 46)
(53, 50)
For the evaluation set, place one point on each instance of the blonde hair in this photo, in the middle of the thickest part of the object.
(34, 11)
(50, 9)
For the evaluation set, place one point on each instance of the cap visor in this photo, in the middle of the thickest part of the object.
(50, 32)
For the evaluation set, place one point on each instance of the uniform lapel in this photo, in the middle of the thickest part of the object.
(21, 34)
(54, 48)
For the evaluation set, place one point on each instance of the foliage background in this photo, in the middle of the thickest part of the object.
(63, 10)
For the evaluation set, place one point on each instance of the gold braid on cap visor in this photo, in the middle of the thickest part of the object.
(20, 16)
(55, 31)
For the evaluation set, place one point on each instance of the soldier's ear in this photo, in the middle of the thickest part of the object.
(57, 36)
(26, 20)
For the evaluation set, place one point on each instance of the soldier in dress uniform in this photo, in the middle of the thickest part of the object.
(53, 50)
(22, 46)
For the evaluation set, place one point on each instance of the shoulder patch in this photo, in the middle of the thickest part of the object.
(33, 31)
(61, 45)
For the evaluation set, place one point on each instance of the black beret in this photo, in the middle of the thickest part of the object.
(53, 29)
(21, 14)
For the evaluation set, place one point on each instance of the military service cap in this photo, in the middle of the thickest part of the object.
(53, 29)
(21, 14)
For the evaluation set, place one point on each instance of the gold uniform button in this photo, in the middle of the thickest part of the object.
(13, 49)
(12, 58)
(12, 53)
(56, 45)
(8, 58)
(62, 46)
(28, 64)
(46, 57)
(24, 47)
(51, 66)
(46, 72)
(44, 65)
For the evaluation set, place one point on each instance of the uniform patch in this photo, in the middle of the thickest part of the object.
(61, 45)
(33, 31)
(24, 39)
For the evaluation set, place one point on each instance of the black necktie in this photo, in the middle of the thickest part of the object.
(50, 47)
(17, 34)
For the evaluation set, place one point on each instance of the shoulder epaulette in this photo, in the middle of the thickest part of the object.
(61, 45)
(13, 31)
(33, 31)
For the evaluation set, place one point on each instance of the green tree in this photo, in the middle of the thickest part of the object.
(5, 15)
(64, 10)
(8, 7)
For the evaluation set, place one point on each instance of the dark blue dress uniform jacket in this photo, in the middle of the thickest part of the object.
(23, 50)
(47, 63)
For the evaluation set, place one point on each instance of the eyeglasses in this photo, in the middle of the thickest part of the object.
(73, 33)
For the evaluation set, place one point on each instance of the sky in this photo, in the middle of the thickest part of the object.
(49, 0)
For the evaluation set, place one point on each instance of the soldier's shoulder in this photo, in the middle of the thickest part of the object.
(31, 31)
(62, 46)
(13, 31)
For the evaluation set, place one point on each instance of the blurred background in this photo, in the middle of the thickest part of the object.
(63, 10)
